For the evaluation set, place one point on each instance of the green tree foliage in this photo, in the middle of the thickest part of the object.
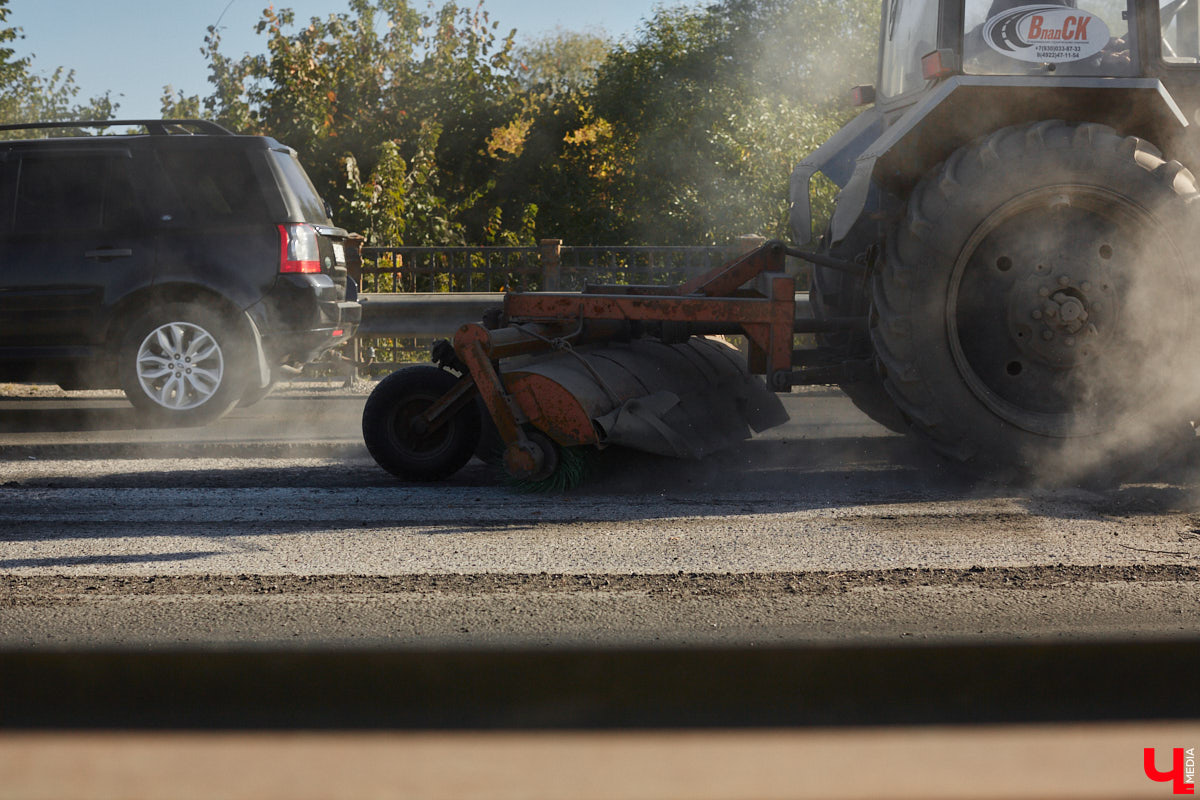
(687, 133)
(434, 128)
(556, 155)
(561, 62)
(11, 68)
(390, 110)
(710, 109)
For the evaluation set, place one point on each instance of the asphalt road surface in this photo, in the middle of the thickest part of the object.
(273, 527)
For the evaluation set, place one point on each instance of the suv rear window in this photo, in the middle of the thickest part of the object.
(303, 198)
(215, 186)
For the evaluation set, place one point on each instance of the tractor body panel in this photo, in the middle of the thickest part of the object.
(947, 118)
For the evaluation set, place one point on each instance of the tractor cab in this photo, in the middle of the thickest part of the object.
(923, 44)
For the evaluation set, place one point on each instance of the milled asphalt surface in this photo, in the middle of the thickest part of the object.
(275, 527)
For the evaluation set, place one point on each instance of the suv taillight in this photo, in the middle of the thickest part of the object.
(298, 249)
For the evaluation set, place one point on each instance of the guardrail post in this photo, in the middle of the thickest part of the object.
(354, 267)
(354, 259)
(550, 254)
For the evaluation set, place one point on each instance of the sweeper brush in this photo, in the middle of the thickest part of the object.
(627, 366)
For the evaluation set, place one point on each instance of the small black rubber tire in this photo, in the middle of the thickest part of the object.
(1032, 170)
(233, 353)
(399, 398)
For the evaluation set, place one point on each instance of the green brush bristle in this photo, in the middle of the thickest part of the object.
(574, 465)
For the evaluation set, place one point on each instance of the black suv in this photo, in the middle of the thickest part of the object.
(184, 265)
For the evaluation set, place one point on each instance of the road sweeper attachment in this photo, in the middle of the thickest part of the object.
(612, 365)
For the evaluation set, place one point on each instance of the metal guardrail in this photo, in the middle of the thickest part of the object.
(580, 265)
(550, 266)
(448, 269)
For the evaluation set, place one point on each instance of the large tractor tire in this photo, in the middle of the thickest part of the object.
(1035, 311)
(839, 294)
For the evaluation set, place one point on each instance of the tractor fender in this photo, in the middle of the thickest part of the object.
(965, 107)
(835, 160)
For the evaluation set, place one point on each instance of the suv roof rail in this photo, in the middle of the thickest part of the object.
(156, 127)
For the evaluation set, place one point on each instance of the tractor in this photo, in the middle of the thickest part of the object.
(1031, 287)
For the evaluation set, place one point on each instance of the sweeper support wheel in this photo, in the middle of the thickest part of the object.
(403, 441)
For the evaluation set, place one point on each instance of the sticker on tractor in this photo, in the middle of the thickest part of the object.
(1051, 34)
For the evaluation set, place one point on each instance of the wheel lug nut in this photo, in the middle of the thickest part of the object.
(1085, 287)
(1044, 292)
(1047, 335)
(1070, 341)
(1037, 314)
(1063, 280)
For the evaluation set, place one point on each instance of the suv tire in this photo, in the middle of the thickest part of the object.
(1001, 244)
(183, 364)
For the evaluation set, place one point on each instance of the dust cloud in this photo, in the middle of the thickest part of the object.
(1136, 386)
(774, 86)
(300, 418)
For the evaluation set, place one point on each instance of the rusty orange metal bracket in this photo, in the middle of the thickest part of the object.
(726, 279)
(765, 312)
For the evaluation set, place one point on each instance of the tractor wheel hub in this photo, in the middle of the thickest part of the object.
(1062, 320)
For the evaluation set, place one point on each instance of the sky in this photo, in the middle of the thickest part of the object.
(135, 47)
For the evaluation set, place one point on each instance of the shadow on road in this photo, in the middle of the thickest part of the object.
(882, 464)
(834, 458)
(87, 561)
(67, 420)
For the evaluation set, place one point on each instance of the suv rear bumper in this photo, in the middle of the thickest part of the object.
(302, 317)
